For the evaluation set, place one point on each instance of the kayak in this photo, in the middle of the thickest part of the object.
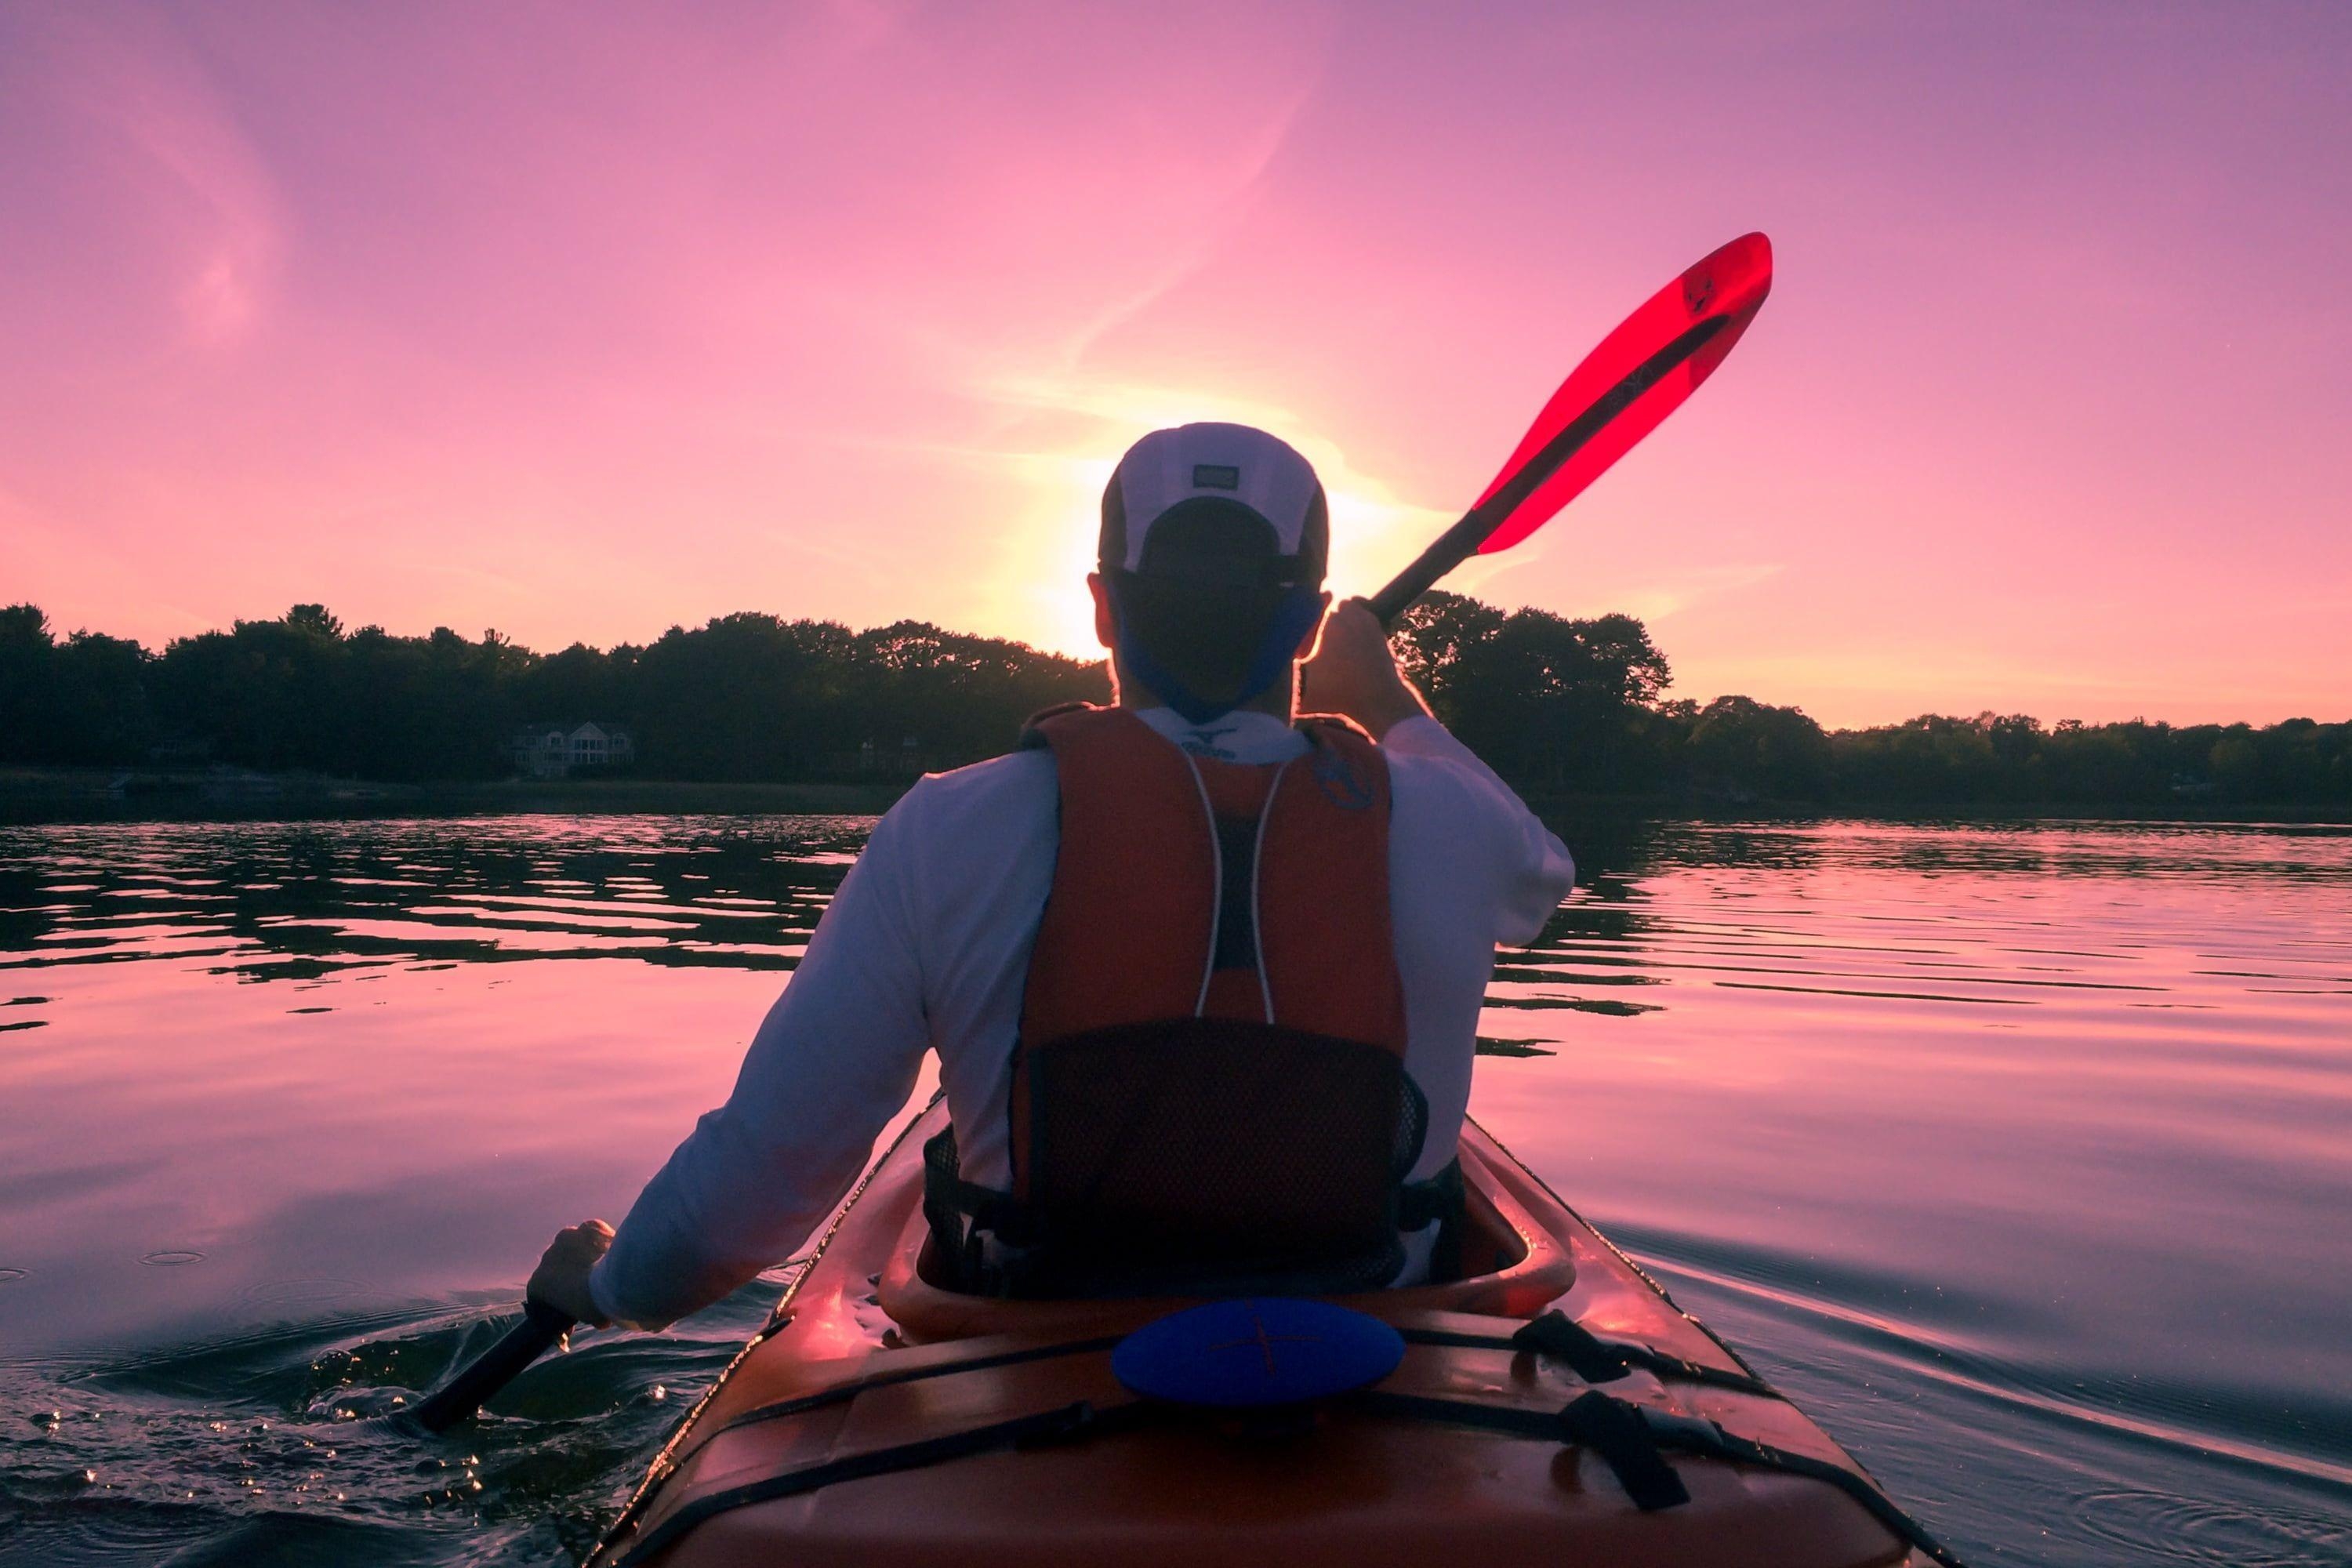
(1551, 1405)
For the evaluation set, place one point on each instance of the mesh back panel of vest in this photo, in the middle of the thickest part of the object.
(1220, 1153)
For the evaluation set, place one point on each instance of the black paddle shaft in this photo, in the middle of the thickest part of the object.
(1460, 542)
(519, 1346)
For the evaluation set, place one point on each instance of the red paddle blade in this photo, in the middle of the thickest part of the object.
(1645, 368)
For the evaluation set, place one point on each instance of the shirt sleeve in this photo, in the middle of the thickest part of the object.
(836, 1057)
(1534, 869)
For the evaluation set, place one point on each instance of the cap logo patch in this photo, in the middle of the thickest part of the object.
(1216, 476)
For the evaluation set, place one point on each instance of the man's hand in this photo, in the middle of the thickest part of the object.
(1353, 674)
(560, 1280)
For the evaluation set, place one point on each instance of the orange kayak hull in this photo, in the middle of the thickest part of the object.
(866, 1358)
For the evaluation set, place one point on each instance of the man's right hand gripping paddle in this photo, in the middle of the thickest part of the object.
(1639, 374)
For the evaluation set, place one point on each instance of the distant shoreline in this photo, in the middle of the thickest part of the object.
(66, 797)
(1553, 807)
(37, 797)
(300, 709)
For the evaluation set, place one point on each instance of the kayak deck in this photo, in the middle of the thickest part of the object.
(883, 1420)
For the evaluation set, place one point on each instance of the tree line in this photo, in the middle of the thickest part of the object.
(745, 698)
(1580, 705)
(1555, 704)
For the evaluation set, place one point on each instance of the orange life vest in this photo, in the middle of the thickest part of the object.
(1208, 1088)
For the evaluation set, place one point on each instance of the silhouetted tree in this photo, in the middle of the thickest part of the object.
(1741, 744)
(81, 702)
(1545, 700)
(1432, 636)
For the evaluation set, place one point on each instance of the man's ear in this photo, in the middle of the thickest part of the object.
(1106, 623)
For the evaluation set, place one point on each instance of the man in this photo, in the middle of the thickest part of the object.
(1203, 979)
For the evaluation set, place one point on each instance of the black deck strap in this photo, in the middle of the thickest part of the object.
(846, 1391)
(1558, 1335)
(1063, 1423)
(1614, 1430)
(1592, 1358)
(1695, 1435)
(1610, 1428)
(1667, 1433)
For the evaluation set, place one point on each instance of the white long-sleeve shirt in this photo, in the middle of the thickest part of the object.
(927, 943)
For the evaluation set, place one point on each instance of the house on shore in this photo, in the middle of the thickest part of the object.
(558, 751)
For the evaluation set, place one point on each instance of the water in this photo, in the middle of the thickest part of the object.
(2021, 1157)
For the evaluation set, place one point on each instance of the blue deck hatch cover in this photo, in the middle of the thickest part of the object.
(1255, 1351)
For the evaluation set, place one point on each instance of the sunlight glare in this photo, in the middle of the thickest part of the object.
(1374, 530)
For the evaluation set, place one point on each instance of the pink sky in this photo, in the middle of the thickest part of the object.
(581, 322)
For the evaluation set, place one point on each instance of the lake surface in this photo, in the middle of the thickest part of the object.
(2021, 1157)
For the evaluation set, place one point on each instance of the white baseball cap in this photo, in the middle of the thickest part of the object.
(1221, 475)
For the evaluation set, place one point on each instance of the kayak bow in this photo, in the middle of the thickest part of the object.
(1550, 1405)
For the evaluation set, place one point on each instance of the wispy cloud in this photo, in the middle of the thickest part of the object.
(129, 71)
(1657, 601)
(1219, 206)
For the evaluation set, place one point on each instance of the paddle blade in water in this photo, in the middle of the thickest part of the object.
(1639, 374)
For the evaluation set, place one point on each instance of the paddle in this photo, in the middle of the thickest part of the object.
(1639, 374)
(496, 1367)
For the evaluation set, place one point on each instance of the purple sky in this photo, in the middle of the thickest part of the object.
(580, 320)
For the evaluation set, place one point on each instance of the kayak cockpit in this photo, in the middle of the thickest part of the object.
(1511, 1267)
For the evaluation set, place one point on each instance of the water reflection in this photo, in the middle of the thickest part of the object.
(280, 902)
(2018, 1154)
(2021, 1153)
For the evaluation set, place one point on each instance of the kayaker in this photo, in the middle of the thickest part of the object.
(1179, 991)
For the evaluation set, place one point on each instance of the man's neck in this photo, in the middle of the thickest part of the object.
(1280, 699)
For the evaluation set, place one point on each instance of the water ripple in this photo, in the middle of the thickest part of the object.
(2015, 1153)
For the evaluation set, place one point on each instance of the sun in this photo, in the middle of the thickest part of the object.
(1041, 596)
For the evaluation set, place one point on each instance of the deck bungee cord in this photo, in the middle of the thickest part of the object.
(1555, 1335)
(1632, 1439)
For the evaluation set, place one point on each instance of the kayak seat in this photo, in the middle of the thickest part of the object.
(1204, 1157)
(1511, 1265)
